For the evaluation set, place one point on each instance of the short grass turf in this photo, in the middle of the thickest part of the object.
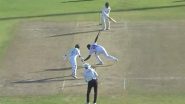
(126, 99)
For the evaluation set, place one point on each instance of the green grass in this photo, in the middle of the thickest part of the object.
(5, 35)
(127, 99)
(138, 8)
(155, 99)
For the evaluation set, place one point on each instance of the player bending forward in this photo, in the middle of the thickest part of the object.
(72, 55)
(90, 76)
(97, 50)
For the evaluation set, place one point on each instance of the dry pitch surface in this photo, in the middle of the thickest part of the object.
(151, 58)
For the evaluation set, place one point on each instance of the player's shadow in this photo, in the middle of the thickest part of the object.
(75, 33)
(58, 69)
(96, 66)
(47, 80)
(91, 12)
(179, 1)
(75, 1)
(62, 69)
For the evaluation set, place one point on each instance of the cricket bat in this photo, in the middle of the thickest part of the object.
(113, 20)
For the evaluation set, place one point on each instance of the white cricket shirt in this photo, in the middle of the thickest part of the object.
(95, 48)
(74, 52)
(90, 74)
(106, 11)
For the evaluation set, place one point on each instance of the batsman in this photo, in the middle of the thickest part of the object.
(105, 17)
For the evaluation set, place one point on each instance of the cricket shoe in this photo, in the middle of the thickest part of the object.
(116, 60)
(100, 63)
(103, 29)
(75, 77)
(108, 29)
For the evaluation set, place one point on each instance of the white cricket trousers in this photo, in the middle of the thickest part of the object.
(105, 23)
(73, 63)
(104, 52)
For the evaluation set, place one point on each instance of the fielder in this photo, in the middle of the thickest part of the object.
(90, 76)
(105, 17)
(72, 55)
(97, 50)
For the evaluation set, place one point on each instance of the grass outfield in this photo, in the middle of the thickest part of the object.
(14, 12)
(129, 99)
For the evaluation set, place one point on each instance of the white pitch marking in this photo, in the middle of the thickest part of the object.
(124, 83)
(63, 85)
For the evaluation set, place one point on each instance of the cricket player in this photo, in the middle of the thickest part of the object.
(72, 55)
(105, 14)
(97, 50)
(90, 76)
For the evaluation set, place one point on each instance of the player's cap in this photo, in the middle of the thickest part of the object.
(86, 65)
(107, 4)
(88, 46)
